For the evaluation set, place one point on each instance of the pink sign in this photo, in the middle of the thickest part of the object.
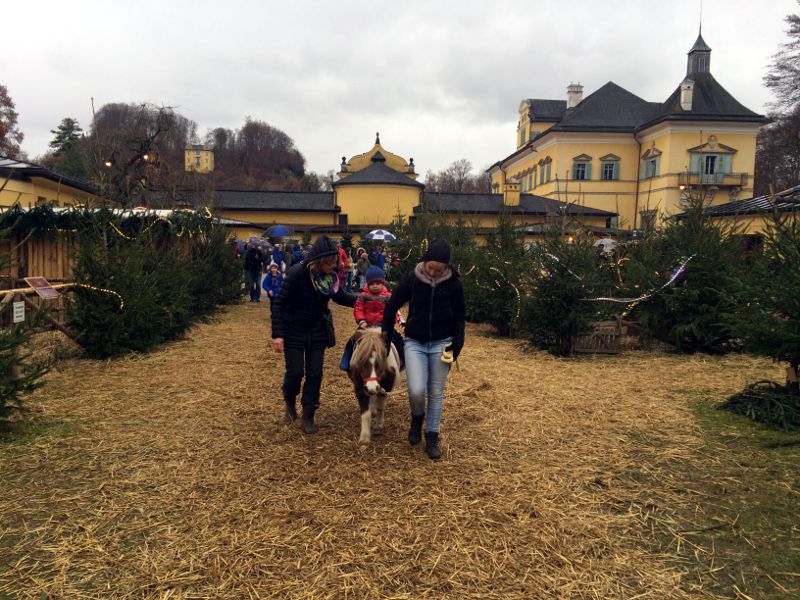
(42, 287)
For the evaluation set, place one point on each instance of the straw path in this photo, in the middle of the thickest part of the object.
(182, 483)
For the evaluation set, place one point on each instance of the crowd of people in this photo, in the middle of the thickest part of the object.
(300, 286)
(259, 266)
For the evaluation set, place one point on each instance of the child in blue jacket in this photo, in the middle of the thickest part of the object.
(272, 282)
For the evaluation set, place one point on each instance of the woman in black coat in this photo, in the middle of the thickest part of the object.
(302, 326)
(434, 337)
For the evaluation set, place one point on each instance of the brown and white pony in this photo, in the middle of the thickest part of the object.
(374, 373)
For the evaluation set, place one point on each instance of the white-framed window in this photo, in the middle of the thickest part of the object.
(609, 171)
(651, 168)
(581, 171)
(547, 171)
(710, 164)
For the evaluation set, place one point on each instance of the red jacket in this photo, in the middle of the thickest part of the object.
(344, 260)
(369, 307)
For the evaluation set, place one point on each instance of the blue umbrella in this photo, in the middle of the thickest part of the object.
(278, 231)
(381, 234)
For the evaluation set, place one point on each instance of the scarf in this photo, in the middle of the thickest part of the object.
(420, 273)
(327, 285)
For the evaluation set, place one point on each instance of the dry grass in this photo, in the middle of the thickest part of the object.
(181, 483)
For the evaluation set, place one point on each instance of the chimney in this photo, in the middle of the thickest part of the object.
(687, 91)
(511, 192)
(574, 94)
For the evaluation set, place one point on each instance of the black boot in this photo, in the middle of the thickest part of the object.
(307, 421)
(415, 431)
(290, 412)
(432, 445)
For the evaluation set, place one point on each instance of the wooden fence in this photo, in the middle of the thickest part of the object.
(51, 256)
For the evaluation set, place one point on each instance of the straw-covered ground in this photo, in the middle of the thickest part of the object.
(170, 476)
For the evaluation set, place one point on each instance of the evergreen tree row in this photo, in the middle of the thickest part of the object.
(694, 283)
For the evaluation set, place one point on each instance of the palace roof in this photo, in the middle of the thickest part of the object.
(529, 204)
(710, 102)
(17, 169)
(546, 110)
(699, 45)
(785, 201)
(610, 108)
(288, 201)
(379, 173)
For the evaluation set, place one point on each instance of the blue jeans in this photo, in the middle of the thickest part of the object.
(426, 375)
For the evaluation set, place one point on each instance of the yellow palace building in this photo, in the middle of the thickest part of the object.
(377, 186)
(617, 152)
(611, 161)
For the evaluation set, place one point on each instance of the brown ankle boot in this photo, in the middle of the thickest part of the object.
(307, 421)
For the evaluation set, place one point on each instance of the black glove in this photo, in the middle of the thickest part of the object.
(458, 344)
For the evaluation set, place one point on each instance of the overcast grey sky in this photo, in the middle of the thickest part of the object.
(440, 80)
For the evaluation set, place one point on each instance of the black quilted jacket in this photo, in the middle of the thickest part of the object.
(298, 313)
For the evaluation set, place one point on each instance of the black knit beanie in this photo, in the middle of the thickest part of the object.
(323, 246)
(438, 250)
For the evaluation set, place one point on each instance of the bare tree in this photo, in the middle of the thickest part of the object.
(778, 153)
(10, 135)
(137, 151)
(783, 77)
(778, 144)
(457, 177)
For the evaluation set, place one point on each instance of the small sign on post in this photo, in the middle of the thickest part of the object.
(19, 312)
(42, 287)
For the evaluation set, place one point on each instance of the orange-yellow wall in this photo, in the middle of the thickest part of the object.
(206, 160)
(751, 224)
(376, 204)
(660, 193)
(486, 221)
(617, 196)
(268, 218)
(39, 190)
(674, 142)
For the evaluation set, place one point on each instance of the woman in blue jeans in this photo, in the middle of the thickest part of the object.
(434, 337)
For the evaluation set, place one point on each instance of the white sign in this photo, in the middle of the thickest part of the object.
(19, 312)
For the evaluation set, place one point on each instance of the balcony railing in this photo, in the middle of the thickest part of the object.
(719, 179)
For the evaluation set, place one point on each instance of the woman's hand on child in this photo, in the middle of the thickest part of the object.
(277, 344)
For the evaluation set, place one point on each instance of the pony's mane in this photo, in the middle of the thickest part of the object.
(369, 342)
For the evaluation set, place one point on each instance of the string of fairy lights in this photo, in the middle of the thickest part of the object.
(85, 286)
(616, 265)
(58, 286)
